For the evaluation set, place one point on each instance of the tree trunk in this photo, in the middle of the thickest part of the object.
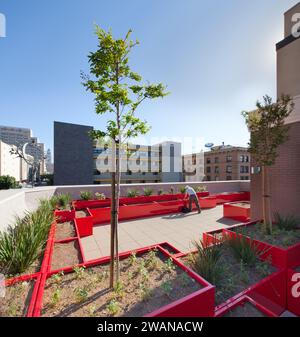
(268, 201)
(113, 214)
(118, 179)
(263, 192)
(112, 228)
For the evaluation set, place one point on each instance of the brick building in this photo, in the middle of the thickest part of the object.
(226, 162)
(285, 174)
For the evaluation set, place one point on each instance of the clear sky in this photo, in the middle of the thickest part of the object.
(217, 58)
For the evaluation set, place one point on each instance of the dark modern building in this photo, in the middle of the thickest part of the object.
(80, 161)
(73, 154)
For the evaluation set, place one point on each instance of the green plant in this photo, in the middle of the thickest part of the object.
(243, 249)
(55, 298)
(91, 310)
(57, 278)
(244, 273)
(145, 291)
(200, 188)
(7, 182)
(119, 289)
(167, 288)
(160, 192)
(132, 193)
(63, 200)
(287, 223)
(22, 243)
(86, 195)
(184, 279)
(148, 191)
(81, 294)
(132, 258)
(113, 307)
(182, 189)
(79, 272)
(169, 265)
(206, 261)
(151, 261)
(100, 196)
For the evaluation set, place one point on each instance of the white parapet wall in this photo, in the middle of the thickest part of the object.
(17, 202)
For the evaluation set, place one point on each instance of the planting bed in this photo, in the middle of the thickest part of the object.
(65, 254)
(148, 282)
(17, 299)
(233, 276)
(64, 230)
(279, 238)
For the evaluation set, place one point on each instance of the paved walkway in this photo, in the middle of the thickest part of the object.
(177, 229)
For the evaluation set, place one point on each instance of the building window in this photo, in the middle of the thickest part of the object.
(242, 169)
(228, 169)
(217, 169)
(208, 169)
(194, 159)
(208, 178)
(229, 159)
(247, 159)
(216, 160)
(228, 178)
(246, 169)
(208, 161)
(242, 158)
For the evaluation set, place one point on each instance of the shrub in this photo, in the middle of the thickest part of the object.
(243, 249)
(160, 192)
(100, 196)
(206, 261)
(148, 191)
(22, 243)
(132, 193)
(182, 189)
(200, 188)
(287, 223)
(61, 201)
(86, 195)
(7, 182)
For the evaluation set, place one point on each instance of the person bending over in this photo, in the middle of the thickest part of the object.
(193, 198)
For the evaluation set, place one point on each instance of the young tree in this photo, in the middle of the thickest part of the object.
(268, 131)
(119, 92)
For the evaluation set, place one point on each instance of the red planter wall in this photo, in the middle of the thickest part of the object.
(82, 204)
(64, 216)
(232, 196)
(293, 291)
(84, 225)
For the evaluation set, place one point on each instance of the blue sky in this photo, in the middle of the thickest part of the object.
(217, 58)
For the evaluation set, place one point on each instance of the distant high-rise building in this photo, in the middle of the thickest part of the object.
(17, 136)
(48, 162)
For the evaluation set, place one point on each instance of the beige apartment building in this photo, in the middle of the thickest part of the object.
(226, 162)
(285, 174)
(193, 167)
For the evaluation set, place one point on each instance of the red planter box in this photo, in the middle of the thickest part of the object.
(240, 302)
(232, 196)
(82, 204)
(281, 258)
(197, 304)
(84, 225)
(64, 216)
(128, 212)
(236, 212)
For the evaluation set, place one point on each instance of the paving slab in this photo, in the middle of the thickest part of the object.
(178, 229)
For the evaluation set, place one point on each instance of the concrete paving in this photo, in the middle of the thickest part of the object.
(178, 229)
